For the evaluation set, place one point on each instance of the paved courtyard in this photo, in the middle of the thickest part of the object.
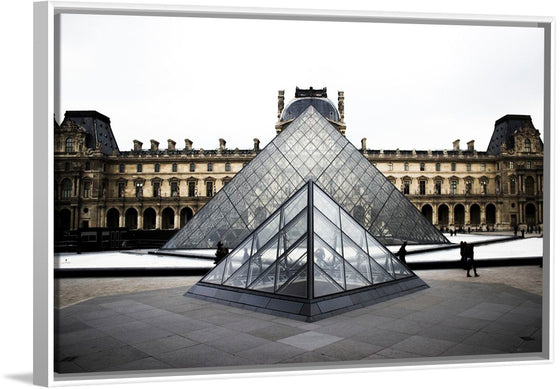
(151, 328)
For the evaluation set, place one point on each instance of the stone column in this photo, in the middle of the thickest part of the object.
(140, 221)
(467, 214)
(158, 218)
(483, 214)
(177, 220)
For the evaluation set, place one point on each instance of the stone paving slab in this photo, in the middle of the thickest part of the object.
(161, 329)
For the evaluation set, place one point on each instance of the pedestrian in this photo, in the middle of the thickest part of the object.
(462, 250)
(515, 229)
(221, 252)
(402, 253)
(469, 253)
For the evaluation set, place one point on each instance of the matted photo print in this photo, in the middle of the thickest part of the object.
(234, 192)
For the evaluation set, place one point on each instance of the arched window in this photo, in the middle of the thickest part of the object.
(527, 147)
(66, 189)
(69, 147)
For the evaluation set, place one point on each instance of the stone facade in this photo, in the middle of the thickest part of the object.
(97, 185)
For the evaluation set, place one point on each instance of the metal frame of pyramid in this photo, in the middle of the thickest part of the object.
(309, 148)
(309, 260)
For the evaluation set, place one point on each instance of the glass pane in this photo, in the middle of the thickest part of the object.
(354, 231)
(356, 257)
(326, 206)
(262, 260)
(216, 274)
(400, 270)
(287, 267)
(381, 271)
(265, 282)
(297, 286)
(329, 261)
(267, 231)
(322, 284)
(293, 232)
(239, 278)
(295, 206)
(238, 258)
(353, 278)
(327, 231)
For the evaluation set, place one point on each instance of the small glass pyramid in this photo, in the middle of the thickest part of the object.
(310, 148)
(309, 250)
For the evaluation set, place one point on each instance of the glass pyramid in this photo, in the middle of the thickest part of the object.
(310, 148)
(309, 249)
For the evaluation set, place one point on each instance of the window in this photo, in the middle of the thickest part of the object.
(512, 185)
(453, 166)
(483, 187)
(139, 168)
(528, 165)
(228, 167)
(156, 168)
(422, 187)
(422, 166)
(527, 147)
(210, 167)
(468, 166)
(66, 189)
(468, 187)
(88, 165)
(121, 168)
(121, 190)
(67, 166)
(192, 189)
(511, 164)
(437, 189)
(390, 166)
(191, 167)
(174, 189)
(453, 187)
(209, 188)
(174, 168)
(406, 166)
(69, 147)
(156, 189)
(483, 167)
(498, 185)
(438, 167)
(139, 189)
(87, 189)
(406, 187)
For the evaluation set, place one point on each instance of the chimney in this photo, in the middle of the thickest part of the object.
(256, 143)
(456, 145)
(470, 145)
(154, 145)
(188, 144)
(341, 106)
(222, 144)
(137, 145)
(364, 148)
(280, 103)
(171, 144)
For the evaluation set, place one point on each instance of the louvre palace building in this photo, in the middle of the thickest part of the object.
(161, 187)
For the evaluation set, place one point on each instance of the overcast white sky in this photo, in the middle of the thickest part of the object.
(406, 86)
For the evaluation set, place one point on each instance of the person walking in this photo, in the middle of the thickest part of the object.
(469, 253)
(401, 254)
(462, 250)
